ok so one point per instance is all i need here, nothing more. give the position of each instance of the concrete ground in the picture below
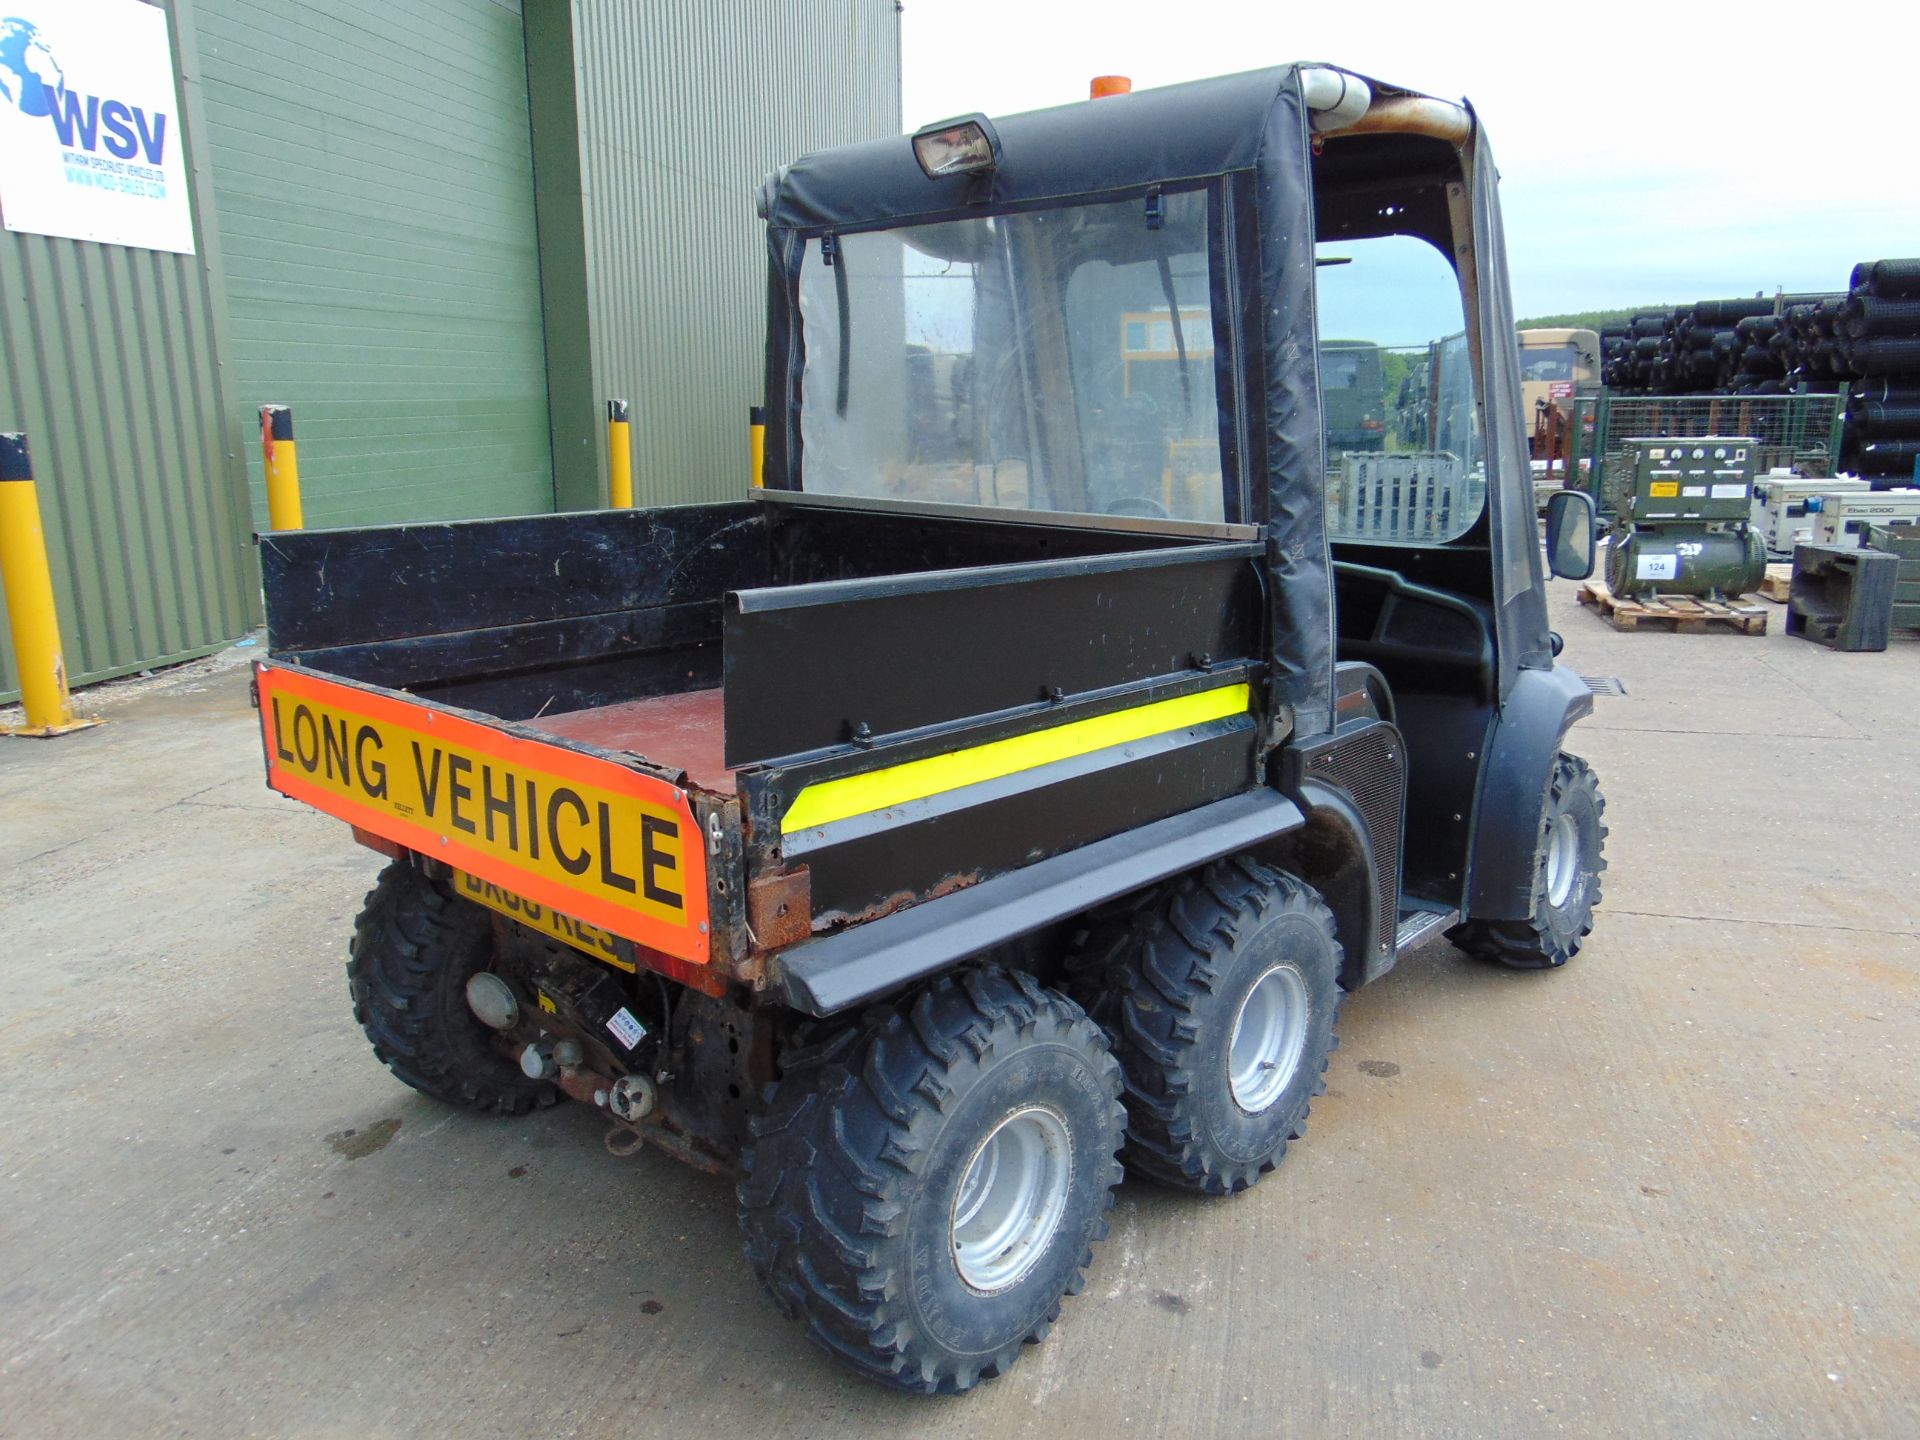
(1671, 1190)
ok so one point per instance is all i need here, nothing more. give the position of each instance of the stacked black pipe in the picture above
(1867, 338)
(1807, 341)
(1712, 347)
(1879, 325)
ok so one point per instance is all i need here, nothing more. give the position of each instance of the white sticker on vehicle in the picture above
(1649, 567)
(627, 1030)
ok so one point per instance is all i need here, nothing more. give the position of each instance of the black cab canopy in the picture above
(1251, 140)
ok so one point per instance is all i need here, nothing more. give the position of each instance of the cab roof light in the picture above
(964, 146)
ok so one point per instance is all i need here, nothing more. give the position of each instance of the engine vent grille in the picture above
(1371, 765)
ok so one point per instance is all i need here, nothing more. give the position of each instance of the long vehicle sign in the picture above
(581, 835)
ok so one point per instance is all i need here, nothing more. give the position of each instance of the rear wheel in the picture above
(1570, 856)
(927, 1184)
(1219, 996)
(414, 948)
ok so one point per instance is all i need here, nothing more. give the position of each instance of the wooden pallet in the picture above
(1682, 614)
(1778, 582)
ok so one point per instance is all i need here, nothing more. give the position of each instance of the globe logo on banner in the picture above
(29, 75)
(89, 130)
(85, 122)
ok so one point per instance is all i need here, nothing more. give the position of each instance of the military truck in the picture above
(1553, 361)
(929, 834)
(1353, 394)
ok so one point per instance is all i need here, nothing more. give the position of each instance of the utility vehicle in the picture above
(1353, 396)
(1015, 784)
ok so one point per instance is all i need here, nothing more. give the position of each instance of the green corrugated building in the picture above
(444, 232)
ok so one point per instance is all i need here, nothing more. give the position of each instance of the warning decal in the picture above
(584, 836)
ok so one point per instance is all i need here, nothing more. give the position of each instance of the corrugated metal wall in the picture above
(109, 362)
(376, 243)
(373, 179)
(683, 111)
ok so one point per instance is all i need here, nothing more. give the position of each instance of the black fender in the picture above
(1331, 851)
(1542, 706)
(836, 972)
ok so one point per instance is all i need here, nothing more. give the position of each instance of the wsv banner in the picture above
(90, 144)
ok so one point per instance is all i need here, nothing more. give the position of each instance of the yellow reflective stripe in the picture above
(832, 800)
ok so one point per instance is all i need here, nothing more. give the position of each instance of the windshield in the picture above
(1555, 362)
(1052, 360)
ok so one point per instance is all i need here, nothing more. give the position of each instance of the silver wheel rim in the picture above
(1269, 1034)
(1563, 859)
(1011, 1198)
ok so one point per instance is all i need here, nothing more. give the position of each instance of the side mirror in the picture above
(1571, 526)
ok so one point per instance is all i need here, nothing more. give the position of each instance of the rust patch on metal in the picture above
(780, 908)
(583, 1085)
(389, 848)
(900, 900)
(707, 979)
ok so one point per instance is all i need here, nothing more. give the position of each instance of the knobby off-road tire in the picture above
(1569, 860)
(414, 948)
(860, 1174)
(1172, 980)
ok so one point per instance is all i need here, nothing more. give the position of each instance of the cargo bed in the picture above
(840, 708)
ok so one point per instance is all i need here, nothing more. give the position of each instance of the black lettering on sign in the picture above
(334, 742)
(373, 773)
(609, 875)
(429, 780)
(652, 858)
(458, 790)
(280, 734)
(533, 822)
(572, 864)
(501, 805)
(306, 743)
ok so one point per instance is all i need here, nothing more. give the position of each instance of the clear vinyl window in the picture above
(1051, 360)
(1406, 462)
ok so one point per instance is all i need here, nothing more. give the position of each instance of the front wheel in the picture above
(927, 1183)
(1569, 858)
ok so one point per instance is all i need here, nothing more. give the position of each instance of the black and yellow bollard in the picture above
(283, 468)
(757, 432)
(619, 456)
(29, 589)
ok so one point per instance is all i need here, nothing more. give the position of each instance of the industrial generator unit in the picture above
(1786, 506)
(1686, 526)
(1842, 521)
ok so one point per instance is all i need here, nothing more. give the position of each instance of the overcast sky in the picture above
(1648, 152)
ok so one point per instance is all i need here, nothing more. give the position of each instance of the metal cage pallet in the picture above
(1802, 431)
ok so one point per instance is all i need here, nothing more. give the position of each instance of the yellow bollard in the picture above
(283, 468)
(757, 429)
(619, 456)
(29, 589)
